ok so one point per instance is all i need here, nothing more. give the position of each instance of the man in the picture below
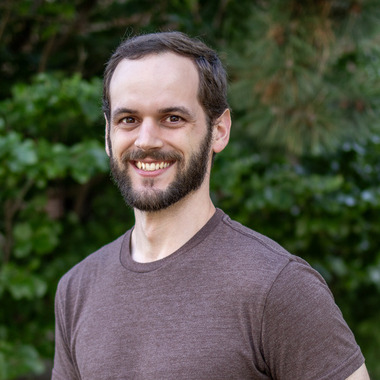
(188, 293)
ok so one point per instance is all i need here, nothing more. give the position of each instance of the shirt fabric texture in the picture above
(229, 304)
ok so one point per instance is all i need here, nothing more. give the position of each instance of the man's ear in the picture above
(221, 132)
(107, 137)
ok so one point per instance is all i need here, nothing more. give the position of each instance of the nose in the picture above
(148, 136)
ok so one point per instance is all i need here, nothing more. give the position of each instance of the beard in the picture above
(188, 178)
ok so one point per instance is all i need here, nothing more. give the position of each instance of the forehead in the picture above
(155, 75)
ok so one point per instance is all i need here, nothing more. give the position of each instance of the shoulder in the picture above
(288, 282)
(251, 245)
(88, 270)
(288, 273)
(249, 260)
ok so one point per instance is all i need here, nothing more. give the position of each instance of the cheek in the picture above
(120, 142)
(196, 141)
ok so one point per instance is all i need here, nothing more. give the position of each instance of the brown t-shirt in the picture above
(229, 304)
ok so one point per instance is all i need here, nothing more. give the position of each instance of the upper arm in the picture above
(304, 334)
(64, 367)
(359, 374)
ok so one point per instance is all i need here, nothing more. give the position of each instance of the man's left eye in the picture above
(174, 118)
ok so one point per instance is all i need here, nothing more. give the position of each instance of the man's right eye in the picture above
(128, 120)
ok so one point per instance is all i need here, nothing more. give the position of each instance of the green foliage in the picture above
(16, 359)
(303, 77)
(53, 94)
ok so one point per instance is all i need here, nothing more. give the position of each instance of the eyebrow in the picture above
(122, 110)
(179, 109)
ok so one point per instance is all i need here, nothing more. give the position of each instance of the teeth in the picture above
(152, 166)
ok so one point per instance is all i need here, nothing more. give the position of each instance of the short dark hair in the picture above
(212, 91)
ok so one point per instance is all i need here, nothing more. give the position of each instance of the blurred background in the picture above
(303, 164)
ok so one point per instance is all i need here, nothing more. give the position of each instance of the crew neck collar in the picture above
(128, 263)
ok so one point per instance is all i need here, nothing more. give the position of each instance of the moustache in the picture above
(156, 155)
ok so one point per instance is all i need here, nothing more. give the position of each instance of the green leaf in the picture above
(18, 359)
(22, 284)
(22, 233)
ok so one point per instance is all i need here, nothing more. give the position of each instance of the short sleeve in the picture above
(64, 367)
(304, 335)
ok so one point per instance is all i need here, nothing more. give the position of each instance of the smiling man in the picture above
(188, 293)
(159, 144)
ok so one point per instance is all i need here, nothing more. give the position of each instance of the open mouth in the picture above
(151, 166)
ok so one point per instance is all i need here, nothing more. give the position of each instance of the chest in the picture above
(147, 329)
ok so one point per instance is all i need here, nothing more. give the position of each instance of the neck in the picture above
(158, 234)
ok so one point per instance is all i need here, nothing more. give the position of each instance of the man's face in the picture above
(160, 143)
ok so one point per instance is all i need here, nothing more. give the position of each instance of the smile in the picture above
(150, 167)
